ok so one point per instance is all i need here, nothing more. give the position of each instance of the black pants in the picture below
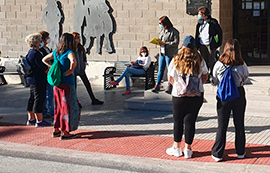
(209, 56)
(87, 85)
(185, 111)
(37, 98)
(238, 107)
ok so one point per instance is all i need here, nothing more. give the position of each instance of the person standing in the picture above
(187, 73)
(81, 65)
(138, 68)
(208, 37)
(170, 37)
(66, 110)
(231, 57)
(37, 81)
(48, 109)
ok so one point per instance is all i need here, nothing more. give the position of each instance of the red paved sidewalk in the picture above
(148, 146)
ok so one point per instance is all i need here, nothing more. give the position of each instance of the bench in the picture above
(119, 67)
(3, 73)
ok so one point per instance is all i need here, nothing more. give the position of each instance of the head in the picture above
(45, 38)
(188, 61)
(232, 53)
(189, 42)
(34, 40)
(77, 42)
(203, 12)
(144, 51)
(65, 42)
(165, 23)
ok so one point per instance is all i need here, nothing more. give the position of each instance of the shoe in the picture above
(174, 151)
(31, 122)
(188, 153)
(97, 102)
(43, 123)
(168, 90)
(126, 92)
(216, 158)
(114, 83)
(241, 156)
(156, 89)
(68, 137)
(56, 134)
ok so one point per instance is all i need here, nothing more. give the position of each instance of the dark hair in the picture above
(232, 53)
(79, 46)
(144, 48)
(65, 42)
(44, 35)
(166, 22)
(204, 10)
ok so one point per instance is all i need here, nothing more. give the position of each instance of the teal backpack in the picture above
(54, 76)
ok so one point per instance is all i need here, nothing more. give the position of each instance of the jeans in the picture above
(238, 107)
(48, 104)
(130, 72)
(162, 63)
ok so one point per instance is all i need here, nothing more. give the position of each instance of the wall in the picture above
(137, 23)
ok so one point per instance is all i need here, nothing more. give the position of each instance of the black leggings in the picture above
(185, 111)
(87, 86)
(37, 98)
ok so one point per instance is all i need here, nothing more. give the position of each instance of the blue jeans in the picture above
(48, 104)
(163, 61)
(130, 72)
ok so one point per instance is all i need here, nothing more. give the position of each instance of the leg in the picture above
(87, 86)
(30, 104)
(132, 71)
(206, 55)
(168, 60)
(238, 119)
(161, 68)
(39, 98)
(50, 100)
(223, 111)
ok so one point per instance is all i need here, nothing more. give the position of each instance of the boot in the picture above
(156, 89)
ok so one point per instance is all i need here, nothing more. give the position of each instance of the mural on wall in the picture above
(93, 20)
(53, 17)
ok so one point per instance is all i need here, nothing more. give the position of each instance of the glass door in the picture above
(251, 27)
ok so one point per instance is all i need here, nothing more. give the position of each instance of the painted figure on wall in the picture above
(93, 20)
(53, 16)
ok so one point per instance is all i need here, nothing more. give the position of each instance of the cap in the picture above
(189, 42)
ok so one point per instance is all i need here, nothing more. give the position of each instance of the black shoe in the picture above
(56, 134)
(168, 90)
(68, 137)
(156, 89)
(97, 102)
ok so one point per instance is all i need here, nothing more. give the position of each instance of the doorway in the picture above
(251, 23)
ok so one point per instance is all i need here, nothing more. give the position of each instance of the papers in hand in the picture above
(156, 41)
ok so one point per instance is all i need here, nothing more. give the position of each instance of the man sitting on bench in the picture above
(137, 68)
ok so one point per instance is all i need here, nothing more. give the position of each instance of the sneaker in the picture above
(114, 83)
(174, 151)
(216, 158)
(97, 102)
(31, 122)
(188, 153)
(241, 156)
(68, 137)
(126, 92)
(156, 89)
(168, 89)
(43, 123)
(56, 134)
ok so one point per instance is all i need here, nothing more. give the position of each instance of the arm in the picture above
(73, 64)
(171, 80)
(173, 39)
(47, 59)
(204, 78)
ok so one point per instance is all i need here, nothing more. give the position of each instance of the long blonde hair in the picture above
(188, 61)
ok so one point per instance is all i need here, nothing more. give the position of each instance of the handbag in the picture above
(227, 90)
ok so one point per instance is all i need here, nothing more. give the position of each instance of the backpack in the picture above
(24, 66)
(227, 90)
(54, 75)
(188, 85)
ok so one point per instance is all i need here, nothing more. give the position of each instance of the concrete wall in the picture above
(137, 23)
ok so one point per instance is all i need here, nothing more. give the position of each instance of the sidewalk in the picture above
(109, 133)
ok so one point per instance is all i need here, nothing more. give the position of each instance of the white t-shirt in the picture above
(204, 33)
(144, 62)
(173, 72)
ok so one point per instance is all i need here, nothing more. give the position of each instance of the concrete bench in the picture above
(111, 72)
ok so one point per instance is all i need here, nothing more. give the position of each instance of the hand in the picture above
(132, 63)
(162, 44)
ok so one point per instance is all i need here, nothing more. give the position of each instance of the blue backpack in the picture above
(227, 90)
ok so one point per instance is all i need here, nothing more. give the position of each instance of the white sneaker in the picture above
(241, 156)
(174, 151)
(188, 153)
(216, 158)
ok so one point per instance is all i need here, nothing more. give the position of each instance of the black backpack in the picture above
(24, 67)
